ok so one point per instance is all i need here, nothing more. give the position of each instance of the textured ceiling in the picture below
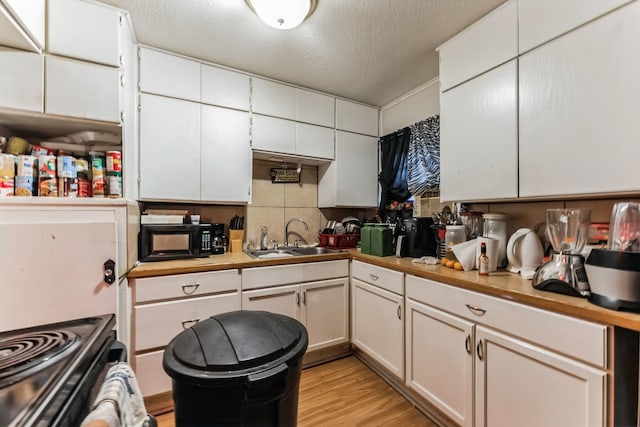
(372, 51)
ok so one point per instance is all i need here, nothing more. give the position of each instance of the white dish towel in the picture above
(119, 402)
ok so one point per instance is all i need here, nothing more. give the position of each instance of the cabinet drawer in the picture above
(489, 42)
(151, 376)
(184, 285)
(262, 277)
(573, 337)
(384, 278)
(157, 324)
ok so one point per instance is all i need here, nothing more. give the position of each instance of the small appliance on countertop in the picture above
(217, 239)
(161, 242)
(524, 253)
(614, 273)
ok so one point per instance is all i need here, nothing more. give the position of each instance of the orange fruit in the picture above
(458, 266)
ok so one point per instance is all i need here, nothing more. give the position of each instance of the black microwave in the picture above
(160, 242)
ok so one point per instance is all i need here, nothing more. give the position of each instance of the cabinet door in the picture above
(225, 88)
(169, 148)
(579, 105)
(358, 118)
(225, 162)
(273, 135)
(314, 141)
(21, 80)
(273, 99)
(316, 108)
(439, 357)
(479, 130)
(524, 385)
(325, 308)
(83, 30)
(542, 20)
(22, 24)
(283, 300)
(81, 89)
(150, 374)
(52, 264)
(352, 179)
(377, 325)
(170, 75)
(489, 42)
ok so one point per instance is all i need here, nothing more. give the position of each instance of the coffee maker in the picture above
(415, 237)
(217, 241)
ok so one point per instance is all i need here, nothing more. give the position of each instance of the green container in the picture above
(381, 241)
(365, 239)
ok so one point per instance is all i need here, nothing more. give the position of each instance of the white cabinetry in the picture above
(275, 135)
(352, 179)
(225, 88)
(479, 131)
(21, 80)
(358, 118)
(579, 104)
(532, 367)
(167, 305)
(542, 20)
(83, 30)
(489, 42)
(377, 310)
(169, 75)
(22, 24)
(316, 294)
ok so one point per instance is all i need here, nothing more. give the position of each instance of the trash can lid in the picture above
(234, 342)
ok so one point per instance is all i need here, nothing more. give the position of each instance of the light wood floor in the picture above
(346, 393)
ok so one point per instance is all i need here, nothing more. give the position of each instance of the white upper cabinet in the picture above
(489, 42)
(81, 89)
(273, 135)
(21, 80)
(479, 131)
(314, 141)
(225, 88)
(542, 20)
(225, 135)
(316, 108)
(169, 75)
(579, 109)
(22, 24)
(274, 99)
(83, 30)
(358, 118)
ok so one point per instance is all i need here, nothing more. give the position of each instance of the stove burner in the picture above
(27, 351)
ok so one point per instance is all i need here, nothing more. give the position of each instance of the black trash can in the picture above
(237, 369)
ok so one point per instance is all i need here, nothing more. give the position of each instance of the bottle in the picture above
(264, 238)
(483, 260)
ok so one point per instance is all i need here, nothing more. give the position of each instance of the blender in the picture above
(567, 231)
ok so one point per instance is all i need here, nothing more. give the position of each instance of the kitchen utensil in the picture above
(624, 228)
(524, 252)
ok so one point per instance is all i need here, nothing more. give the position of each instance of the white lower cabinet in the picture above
(487, 362)
(377, 315)
(167, 305)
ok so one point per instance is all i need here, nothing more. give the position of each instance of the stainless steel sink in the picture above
(289, 252)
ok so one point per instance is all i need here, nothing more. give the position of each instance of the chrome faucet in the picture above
(286, 230)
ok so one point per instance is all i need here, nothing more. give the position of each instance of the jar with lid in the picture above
(495, 227)
(455, 234)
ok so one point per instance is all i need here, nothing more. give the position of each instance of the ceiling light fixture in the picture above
(283, 14)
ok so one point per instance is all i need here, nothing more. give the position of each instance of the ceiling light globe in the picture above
(281, 14)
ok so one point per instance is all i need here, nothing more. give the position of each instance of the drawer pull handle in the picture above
(467, 344)
(480, 351)
(189, 323)
(189, 289)
(399, 312)
(476, 310)
(297, 298)
(373, 276)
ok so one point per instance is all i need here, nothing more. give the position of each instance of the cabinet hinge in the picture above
(249, 191)
(139, 107)
(122, 116)
(139, 54)
(121, 61)
(120, 20)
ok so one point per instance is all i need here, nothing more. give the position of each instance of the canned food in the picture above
(7, 165)
(98, 186)
(47, 186)
(24, 186)
(114, 161)
(114, 184)
(16, 146)
(67, 187)
(82, 169)
(97, 164)
(84, 187)
(6, 186)
(67, 167)
(37, 150)
(46, 166)
(27, 165)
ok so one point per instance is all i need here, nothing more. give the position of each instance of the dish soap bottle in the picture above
(483, 260)
(264, 238)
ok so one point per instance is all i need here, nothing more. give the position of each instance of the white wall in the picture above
(414, 106)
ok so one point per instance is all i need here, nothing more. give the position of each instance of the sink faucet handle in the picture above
(296, 244)
(275, 243)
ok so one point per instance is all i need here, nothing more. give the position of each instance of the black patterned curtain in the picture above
(423, 172)
(394, 150)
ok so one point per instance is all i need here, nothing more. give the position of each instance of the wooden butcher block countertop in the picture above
(501, 284)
